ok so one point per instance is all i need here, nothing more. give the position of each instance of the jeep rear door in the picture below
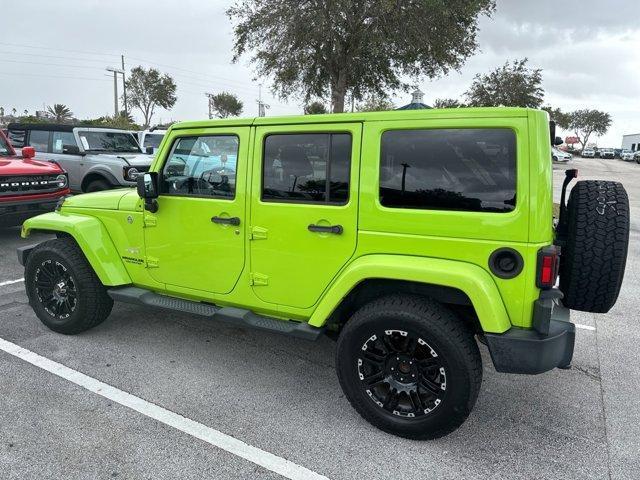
(196, 239)
(304, 205)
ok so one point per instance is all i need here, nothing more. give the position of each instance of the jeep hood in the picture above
(120, 199)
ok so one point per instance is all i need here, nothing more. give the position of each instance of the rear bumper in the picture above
(15, 212)
(529, 351)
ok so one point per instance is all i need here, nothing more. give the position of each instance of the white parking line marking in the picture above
(11, 282)
(214, 437)
(584, 327)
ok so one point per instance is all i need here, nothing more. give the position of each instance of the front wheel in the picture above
(409, 366)
(63, 290)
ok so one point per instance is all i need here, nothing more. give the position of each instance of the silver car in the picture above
(94, 158)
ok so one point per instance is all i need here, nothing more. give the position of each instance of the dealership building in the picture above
(631, 142)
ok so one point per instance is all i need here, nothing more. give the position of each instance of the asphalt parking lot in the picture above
(281, 395)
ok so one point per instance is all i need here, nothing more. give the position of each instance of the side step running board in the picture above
(237, 316)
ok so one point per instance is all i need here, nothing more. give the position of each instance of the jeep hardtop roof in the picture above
(435, 113)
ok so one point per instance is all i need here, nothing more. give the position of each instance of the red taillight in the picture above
(547, 267)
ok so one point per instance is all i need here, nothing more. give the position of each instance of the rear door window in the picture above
(307, 168)
(39, 140)
(449, 169)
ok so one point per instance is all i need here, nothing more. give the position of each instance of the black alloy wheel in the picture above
(401, 373)
(55, 289)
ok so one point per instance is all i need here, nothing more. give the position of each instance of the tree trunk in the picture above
(338, 92)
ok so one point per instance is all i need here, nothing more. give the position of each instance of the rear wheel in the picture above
(63, 289)
(409, 366)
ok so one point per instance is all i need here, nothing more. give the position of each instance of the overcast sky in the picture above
(56, 52)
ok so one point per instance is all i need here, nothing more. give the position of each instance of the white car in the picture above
(627, 155)
(607, 153)
(589, 153)
(149, 140)
(560, 156)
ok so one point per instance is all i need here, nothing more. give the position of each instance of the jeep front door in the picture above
(196, 238)
(304, 205)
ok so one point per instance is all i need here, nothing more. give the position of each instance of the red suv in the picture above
(28, 186)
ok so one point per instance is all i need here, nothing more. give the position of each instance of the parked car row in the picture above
(609, 153)
(41, 163)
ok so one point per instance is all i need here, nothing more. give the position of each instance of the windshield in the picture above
(109, 141)
(5, 150)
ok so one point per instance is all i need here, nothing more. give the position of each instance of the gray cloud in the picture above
(589, 51)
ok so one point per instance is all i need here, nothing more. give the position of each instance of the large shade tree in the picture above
(149, 89)
(587, 122)
(512, 85)
(320, 48)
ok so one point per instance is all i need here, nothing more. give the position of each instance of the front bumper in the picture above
(547, 346)
(16, 212)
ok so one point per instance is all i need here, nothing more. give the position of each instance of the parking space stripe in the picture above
(214, 437)
(584, 327)
(10, 282)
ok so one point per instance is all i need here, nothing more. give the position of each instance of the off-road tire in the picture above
(98, 186)
(593, 259)
(448, 335)
(92, 303)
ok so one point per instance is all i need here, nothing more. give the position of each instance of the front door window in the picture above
(202, 166)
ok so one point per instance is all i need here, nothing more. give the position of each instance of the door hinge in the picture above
(258, 279)
(257, 233)
(150, 221)
(152, 262)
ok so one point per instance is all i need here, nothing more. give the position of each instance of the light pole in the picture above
(115, 71)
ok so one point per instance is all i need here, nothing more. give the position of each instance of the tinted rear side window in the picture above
(449, 169)
(309, 168)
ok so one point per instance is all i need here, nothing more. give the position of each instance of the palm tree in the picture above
(60, 112)
(14, 111)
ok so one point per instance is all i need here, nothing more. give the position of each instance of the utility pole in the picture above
(115, 88)
(262, 107)
(124, 89)
(210, 99)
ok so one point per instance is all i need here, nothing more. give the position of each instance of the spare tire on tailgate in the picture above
(593, 258)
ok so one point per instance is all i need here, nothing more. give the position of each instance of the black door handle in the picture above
(335, 229)
(226, 221)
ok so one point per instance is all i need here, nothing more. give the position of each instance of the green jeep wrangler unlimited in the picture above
(405, 235)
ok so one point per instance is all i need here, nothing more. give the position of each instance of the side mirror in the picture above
(149, 150)
(148, 189)
(148, 185)
(71, 149)
(28, 152)
(558, 141)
